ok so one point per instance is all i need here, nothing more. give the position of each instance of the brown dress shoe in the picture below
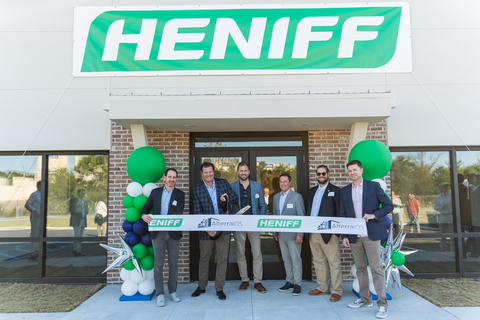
(335, 297)
(259, 288)
(244, 286)
(317, 292)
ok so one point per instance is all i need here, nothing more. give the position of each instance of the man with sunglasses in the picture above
(324, 201)
(249, 194)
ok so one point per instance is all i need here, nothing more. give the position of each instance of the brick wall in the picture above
(174, 145)
(330, 147)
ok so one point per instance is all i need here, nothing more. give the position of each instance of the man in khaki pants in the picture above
(324, 201)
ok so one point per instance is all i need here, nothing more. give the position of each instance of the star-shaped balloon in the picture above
(393, 259)
(123, 253)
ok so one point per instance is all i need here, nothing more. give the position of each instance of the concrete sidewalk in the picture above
(251, 305)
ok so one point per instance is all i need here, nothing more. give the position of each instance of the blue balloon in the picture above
(388, 222)
(147, 239)
(140, 227)
(131, 238)
(127, 226)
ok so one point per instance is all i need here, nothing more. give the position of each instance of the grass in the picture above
(36, 298)
(463, 292)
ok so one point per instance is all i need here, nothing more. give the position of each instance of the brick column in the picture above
(174, 145)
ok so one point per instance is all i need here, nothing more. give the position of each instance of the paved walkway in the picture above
(250, 304)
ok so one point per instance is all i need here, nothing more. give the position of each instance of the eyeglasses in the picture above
(245, 194)
(321, 174)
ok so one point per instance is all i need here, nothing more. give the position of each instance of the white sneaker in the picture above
(175, 298)
(382, 312)
(161, 300)
(360, 304)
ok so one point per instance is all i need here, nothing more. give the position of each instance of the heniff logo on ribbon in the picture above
(159, 222)
(269, 39)
(332, 224)
(279, 223)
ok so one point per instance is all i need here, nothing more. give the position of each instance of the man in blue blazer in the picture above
(249, 193)
(165, 200)
(324, 201)
(362, 199)
(210, 197)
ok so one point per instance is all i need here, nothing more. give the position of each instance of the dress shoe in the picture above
(335, 297)
(259, 288)
(221, 295)
(297, 290)
(317, 292)
(244, 286)
(198, 292)
(287, 287)
(161, 300)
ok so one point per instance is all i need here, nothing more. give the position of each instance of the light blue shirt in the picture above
(213, 195)
(80, 201)
(282, 200)
(317, 200)
(165, 201)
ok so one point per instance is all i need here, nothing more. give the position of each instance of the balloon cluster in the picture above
(145, 166)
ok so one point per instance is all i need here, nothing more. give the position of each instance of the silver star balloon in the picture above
(124, 253)
(392, 272)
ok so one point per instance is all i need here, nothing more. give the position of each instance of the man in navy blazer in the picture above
(165, 200)
(362, 199)
(249, 193)
(210, 197)
(324, 201)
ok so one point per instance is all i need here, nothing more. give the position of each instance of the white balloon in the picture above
(134, 189)
(382, 183)
(353, 271)
(125, 274)
(146, 287)
(356, 286)
(136, 277)
(147, 189)
(129, 288)
(148, 274)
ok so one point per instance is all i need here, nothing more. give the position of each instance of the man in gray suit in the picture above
(249, 194)
(290, 203)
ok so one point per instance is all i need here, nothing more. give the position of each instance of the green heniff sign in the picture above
(183, 40)
(160, 222)
(279, 223)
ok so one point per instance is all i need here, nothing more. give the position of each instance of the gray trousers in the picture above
(78, 232)
(34, 232)
(291, 259)
(163, 243)
(206, 247)
(361, 249)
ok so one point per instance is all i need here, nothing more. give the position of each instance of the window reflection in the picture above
(77, 191)
(423, 203)
(19, 177)
(16, 261)
(429, 259)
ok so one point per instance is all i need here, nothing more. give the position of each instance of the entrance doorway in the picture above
(268, 157)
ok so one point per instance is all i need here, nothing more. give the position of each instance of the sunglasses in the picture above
(245, 194)
(321, 174)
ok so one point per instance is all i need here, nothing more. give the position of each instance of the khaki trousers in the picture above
(326, 259)
(206, 247)
(254, 238)
(372, 250)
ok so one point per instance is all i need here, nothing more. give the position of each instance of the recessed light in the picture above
(307, 124)
(189, 125)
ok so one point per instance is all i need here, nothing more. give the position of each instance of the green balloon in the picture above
(145, 164)
(128, 201)
(147, 263)
(375, 157)
(128, 265)
(398, 259)
(150, 251)
(132, 214)
(139, 251)
(140, 201)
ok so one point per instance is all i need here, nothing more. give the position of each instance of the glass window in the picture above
(225, 167)
(468, 167)
(17, 260)
(225, 142)
(429, 258)
(20, 196)
(421, 189)
(77, 196)
(60, 262)
(471, 259)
